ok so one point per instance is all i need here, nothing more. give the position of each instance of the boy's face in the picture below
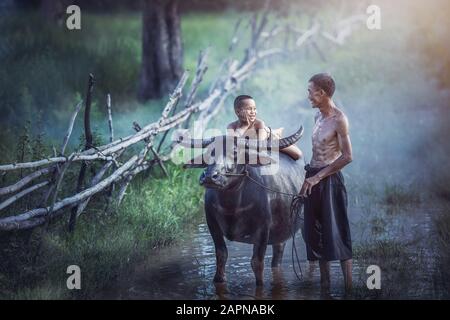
(247, 110)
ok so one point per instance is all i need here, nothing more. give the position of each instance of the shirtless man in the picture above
(327, 231)
(248, 125)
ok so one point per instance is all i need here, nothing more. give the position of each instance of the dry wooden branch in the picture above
(110, 122)
(201, 69)
(23, 182)
(69, 130)
(308, 34)
(94, 181)
(174, 97)
(18, 221)
(16, 197)
(54, 160)
(57, 185)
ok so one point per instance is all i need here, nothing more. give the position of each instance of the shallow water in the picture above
(186, 270)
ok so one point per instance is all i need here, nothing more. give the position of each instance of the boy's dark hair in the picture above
(325, 82)
(239, 99)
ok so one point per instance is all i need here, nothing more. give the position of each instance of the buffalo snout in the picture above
(212, 178)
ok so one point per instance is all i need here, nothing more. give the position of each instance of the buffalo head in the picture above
(227, 157)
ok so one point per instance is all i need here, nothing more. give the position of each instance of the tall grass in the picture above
(155, 213)
(398, 264)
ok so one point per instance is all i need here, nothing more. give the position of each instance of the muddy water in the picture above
(185, 271)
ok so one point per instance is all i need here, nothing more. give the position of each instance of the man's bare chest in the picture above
(324, 132)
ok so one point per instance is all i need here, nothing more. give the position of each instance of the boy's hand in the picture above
(243, 115)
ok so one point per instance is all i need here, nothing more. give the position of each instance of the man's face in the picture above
(315, 95)
(247, 111)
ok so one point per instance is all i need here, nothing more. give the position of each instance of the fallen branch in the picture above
(23, 182)
(19, 221)
(71, 123)
(16, 197)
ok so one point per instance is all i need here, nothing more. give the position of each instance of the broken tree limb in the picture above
(307, 34)
(234, 39)
(110, 122)
(54, 160)
(87, 113)
(69, 130)
(57, 185)
(174, 97)
(15, 222)
(88, 144)
(201, 69)
(23, 182)
(16, 197)
(94, 181)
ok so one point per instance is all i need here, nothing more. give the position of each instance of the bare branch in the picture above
(23, 182)
(110, 122)
(174, 97)
(71, 123)
(307, 34)
(94, 181)
(201, 69)
(16, 222)
(16, 197)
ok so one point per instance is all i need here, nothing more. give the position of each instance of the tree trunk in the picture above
(162, 51)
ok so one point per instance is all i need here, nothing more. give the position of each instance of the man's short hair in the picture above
(239, 99)
(325, 82)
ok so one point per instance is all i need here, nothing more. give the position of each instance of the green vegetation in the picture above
(155, 213)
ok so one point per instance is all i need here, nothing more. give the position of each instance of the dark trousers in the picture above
(327, 230)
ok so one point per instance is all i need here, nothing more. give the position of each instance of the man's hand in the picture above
(308, 184)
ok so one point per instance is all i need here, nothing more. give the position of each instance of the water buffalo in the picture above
(239, 204)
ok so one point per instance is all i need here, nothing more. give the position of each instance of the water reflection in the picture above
(186, 271)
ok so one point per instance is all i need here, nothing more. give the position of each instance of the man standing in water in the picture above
(327, 231)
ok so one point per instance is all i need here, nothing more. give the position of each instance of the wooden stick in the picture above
(23, 182)
(88, 144)
(14, 222)
(71, 123)
(94, 181)
(110, 122)
(16, 197)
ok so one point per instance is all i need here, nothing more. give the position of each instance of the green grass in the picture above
(154, 213)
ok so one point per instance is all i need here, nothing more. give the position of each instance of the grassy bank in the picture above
(155, 212)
